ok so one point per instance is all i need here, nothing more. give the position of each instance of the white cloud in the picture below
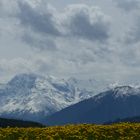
(74, 41)
(47, 24)
(133, 34)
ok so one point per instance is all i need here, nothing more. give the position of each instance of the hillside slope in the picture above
(18, 123)
(119, 102)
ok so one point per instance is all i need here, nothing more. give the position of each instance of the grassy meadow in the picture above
(124, 131)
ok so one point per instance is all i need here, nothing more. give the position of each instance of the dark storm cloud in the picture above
(83, 22)
(36, 19)
(128, 5)
(86, 22)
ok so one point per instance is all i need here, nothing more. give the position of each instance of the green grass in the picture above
(124, 131)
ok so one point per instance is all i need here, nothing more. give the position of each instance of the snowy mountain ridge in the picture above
(119, 102)
(120, 91)
(31, 96)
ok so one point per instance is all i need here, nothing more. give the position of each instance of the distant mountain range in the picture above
(33, 97)
(18, 123)
(53, 101)
(120, 102)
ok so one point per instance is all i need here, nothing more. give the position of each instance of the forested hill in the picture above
(18, 123)
(129, 120)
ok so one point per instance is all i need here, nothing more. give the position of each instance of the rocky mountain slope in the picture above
(33, 97)
(119, 102)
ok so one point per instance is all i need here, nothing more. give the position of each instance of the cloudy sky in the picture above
(97, 39)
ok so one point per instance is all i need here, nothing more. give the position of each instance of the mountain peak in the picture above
(120, 91)
(119, 102)
(23, 80)
(30, 96)
(123, 88)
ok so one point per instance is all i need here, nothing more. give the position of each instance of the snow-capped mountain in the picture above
(116, 103)
(33, 97)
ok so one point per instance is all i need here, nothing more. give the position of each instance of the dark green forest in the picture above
(18, 123)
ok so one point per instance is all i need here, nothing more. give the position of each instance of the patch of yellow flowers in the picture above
(124, 131)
